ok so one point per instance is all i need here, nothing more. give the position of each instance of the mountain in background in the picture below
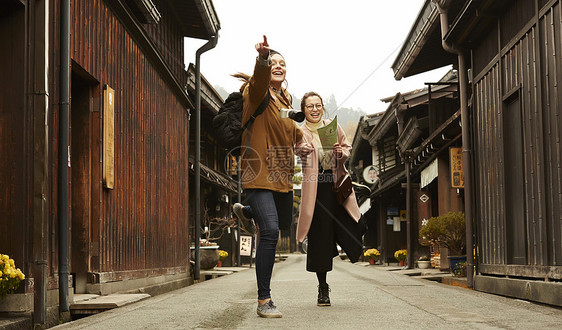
(348, 118)
(222, 92)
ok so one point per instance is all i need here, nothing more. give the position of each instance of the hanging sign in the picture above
(457, 174)
(108, 137)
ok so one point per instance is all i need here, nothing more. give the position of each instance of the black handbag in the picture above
(343, 188)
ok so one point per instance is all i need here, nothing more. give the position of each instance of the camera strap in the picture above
(259, 111)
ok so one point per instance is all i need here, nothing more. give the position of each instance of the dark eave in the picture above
(210, 98)
(387, 121)
(215, 178)
(438, 141)
(474, 20)
(446, 87)
(391, 182)
(357, 141)
(439, 91)
(197, 18)
(361, 134)
(422, 50)
(412, 132)
(147, 11)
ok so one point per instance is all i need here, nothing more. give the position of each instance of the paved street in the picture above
(362, 297)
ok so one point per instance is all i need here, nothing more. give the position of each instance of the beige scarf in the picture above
(324, 156)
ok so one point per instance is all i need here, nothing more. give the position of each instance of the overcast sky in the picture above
(330, 46)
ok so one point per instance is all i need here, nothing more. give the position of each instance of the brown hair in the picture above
(307, 95)
(246, 78)
(242, 77)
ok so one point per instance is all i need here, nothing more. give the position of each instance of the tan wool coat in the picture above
(310, 181)
(268, 163)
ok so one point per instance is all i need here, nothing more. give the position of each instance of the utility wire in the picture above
(369, 76)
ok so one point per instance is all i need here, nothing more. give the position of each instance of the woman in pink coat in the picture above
(322, 219)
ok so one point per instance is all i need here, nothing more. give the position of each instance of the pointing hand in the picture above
(263, 48)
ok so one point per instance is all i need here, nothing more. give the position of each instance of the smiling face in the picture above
(278, 70)
(313, 108)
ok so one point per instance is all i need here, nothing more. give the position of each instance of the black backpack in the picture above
(228, 121)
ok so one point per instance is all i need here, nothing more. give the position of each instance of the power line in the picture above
(369, 76)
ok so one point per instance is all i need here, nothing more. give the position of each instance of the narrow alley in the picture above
(362, 296)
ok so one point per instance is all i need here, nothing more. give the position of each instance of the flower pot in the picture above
(219, 264)
(423, 264)
(371, 261)
(209, 256)
(17, 302)
(454, 260)
(402, 263)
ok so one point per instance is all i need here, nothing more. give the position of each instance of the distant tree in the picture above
(296, 102)
(349, 128)
(330, 104)
(348, 118)
(222, 92)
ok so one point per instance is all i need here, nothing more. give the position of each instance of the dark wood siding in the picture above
(523, 81)
(15, 144)
(489, 178)
(551, 72)
(485, 51)
(142, 224)
(168, 38)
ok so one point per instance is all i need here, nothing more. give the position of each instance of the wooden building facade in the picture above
(411, 137)
(514, 50)
(128, 134)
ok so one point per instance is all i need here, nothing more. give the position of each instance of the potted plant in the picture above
(460, 269)
(10, 276)
(401, 255)
(373, 255)
(423, 262)
(447, 230)
(208, 254)
(222, 256)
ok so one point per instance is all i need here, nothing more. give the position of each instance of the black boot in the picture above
(323, 295)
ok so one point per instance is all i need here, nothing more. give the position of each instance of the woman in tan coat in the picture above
(268, 163)
(322, 219)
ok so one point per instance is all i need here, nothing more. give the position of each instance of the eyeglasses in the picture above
(312, 106)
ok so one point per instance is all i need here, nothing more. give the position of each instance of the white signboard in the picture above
(245, 245)
(370, 174)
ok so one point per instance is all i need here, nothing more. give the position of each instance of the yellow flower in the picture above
(372, 253)
(223, 254)
(401, 255)
(10, 276)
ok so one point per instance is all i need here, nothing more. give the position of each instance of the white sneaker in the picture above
(269, 310)
(247, 223)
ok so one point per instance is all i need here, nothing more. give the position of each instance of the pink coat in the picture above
(309, 182)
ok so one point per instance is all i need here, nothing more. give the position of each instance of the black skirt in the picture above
(331, 224)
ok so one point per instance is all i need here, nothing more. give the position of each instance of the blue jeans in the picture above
(268, 208)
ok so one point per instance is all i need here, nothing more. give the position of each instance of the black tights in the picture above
(321, 277)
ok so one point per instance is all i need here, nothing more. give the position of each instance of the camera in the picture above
(295, 115)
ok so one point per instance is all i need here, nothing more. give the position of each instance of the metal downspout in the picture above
(64, 128)
(466, 144)
(238, 224)
(407, 163)
(208, 46)
(37, 85)
(409, 242)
